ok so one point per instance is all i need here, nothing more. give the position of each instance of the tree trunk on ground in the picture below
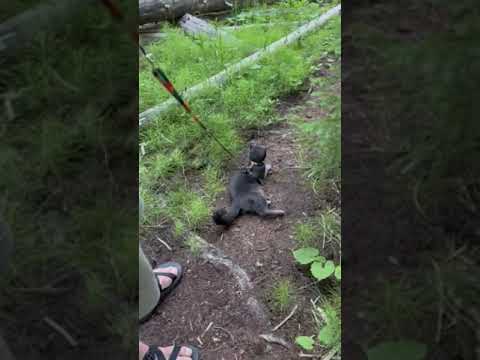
(163, 10)
(220, 78)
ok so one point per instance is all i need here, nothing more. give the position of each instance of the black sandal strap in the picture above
(154, 353)
(175, 352)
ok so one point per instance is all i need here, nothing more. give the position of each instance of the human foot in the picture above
(168, 275)
(163, 280)
(146, 352)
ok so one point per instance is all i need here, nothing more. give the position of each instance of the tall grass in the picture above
(174, 146)
(52, 151)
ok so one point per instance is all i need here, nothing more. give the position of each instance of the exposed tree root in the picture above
(216, 257)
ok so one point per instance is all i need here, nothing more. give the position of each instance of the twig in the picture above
(286, 319)
(64, 82)
(159, 225)
(275, 340)
(225, 330)
(61, 331)
(206, 330)
(329, 355)
(308, 285)
(262, 249)
(303, 355)
(164, 243)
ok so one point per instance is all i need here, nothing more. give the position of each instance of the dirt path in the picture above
(228, 284)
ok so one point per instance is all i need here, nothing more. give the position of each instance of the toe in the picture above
(165, 281)
(186, 351)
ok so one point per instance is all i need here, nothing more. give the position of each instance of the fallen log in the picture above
(153, 33)
(259, 25)
(219, 79)
(170, 10)
(194, 26)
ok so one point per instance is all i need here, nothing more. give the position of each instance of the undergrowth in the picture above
(175, 147)
(326, 313)
(424, 125)
(57, 140)
(282, 295)
(319, 237)
(321, 138)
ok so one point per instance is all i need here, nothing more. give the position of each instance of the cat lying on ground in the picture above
(247, 195)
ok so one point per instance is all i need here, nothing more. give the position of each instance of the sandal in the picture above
(154, 353)
(175, 278)
(165, 292)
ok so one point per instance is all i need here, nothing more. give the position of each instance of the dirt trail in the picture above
(212, 292)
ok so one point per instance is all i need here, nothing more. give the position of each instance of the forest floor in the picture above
(226, 318)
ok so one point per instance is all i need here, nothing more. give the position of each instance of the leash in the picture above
(160, 75)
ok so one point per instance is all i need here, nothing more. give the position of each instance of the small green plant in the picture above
(320, 267)
(328, 320)
(283, 295)
(193, 244)
(305, 234)
(330, 329)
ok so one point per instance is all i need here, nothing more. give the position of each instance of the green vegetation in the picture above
(57, 140)
(175, 146)
(327, 315)
(283, 295)
(306, 234)
(321, 138)
(320, 267)
(321, 231)
(428, 88)
(321, 234)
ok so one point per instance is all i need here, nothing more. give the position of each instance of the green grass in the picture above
(305, 234)
(327, 315)
(174, 146)
(49, 153)
(187, 61)
(282, 295)
(321, 151)
(428, 87)
(320, 231)
(186, 208)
